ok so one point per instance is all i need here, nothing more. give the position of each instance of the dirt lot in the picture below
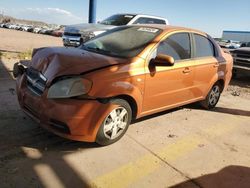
(19, 41)
(184, 147)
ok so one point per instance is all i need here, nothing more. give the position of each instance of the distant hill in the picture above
(22, 21)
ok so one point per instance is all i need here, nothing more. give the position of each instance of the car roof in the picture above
(169, 28)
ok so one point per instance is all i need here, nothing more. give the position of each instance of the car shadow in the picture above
(232, 111)
(228, 177)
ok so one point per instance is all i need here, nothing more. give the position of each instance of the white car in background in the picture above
(231, 44)
(37, 30)
(75, 35)
(26, 27)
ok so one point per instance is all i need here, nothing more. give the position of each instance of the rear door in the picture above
(207, 65)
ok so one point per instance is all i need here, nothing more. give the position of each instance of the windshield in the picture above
(118, 19)
(127, 41)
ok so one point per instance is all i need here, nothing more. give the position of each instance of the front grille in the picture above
(36, 82)
(72, 34)
(59, 126)
(242, 58)
(244, 55)
(242, 62)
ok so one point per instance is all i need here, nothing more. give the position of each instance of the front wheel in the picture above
(115, 123)
(212, 98)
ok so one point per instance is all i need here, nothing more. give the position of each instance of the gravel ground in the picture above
(240, 86)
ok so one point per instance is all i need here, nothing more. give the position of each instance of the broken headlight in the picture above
(70, 87)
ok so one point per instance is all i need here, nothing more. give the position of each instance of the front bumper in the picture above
(71, 41)
(69, 118)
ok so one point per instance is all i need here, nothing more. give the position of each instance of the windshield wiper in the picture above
(101, 51)
(96, 49)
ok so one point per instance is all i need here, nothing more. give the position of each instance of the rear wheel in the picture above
(115, 124)
(212, 97)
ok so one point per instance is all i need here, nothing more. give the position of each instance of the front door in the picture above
(170, 86)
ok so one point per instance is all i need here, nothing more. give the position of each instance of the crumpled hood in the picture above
(87, 28)
(60, 61)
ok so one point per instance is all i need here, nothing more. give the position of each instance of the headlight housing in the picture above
(70, 87)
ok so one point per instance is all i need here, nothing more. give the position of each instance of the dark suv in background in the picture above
(241, 59)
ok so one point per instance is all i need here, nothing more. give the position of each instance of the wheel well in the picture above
(221, 83)
(131, 102)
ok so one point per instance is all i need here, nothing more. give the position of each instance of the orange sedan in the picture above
(92, 93)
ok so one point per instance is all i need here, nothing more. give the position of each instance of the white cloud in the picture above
(49, 15)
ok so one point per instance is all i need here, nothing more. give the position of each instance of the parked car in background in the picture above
(241, 58)
(75, 35)
(93, 92)
(12, 26)
(46, 31)
(26, 28)
(7, 25)
(58, 32)
(30, 29)
(229, 44)
(37, 30)
(2, 25)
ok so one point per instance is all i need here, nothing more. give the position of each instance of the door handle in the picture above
(186, 70)
(216, 65)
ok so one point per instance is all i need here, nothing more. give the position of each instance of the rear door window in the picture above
(178, 46)
(203, 46)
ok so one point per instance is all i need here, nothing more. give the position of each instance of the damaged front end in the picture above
(53, 90)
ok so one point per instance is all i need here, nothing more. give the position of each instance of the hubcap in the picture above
(115, 123)
(214, 95)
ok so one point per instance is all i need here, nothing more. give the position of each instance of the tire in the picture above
(115, 126)
(234, 74)
(212, 97)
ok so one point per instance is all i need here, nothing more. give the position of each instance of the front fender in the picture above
(121, 88)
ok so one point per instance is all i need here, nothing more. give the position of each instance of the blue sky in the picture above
(210, 16)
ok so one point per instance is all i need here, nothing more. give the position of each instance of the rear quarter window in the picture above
(203, 47)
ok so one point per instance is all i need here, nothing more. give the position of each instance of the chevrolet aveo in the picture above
(93, 92)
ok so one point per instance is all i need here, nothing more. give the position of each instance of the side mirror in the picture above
(163, 60)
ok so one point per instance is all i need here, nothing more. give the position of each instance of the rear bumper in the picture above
(69, 118)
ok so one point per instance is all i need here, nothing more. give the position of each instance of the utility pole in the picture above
(92, 11)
